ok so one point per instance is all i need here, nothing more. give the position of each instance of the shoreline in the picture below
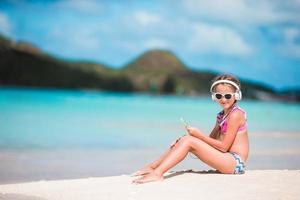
(60, 164)
(254, 184)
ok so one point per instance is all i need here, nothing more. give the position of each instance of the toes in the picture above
(147, 178)
(140, 181)
(136, 181)
(136, 173)
(139, 173)
(142, 172)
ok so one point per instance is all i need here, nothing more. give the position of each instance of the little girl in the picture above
(225, 149)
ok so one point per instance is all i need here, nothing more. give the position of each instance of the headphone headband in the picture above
(238, 93)
(225, 81)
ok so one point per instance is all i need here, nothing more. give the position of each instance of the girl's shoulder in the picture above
(236, 109)
(239, 112)
(239, 109)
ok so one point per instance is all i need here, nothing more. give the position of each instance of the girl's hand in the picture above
(194, 132)
(191, 130)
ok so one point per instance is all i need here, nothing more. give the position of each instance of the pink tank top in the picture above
(222, 120)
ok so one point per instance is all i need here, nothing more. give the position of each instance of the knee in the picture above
(186, 140)
(192, 142)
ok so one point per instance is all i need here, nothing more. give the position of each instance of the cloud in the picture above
(5, 25)
(145, 18)
(291, 34)
(156, 43)
(291, 44)
(143, 30)
(80, 38)
(213, 39)
(243, 12)
(148, 30)
(90, 6)
(214, 27)
(290, 50)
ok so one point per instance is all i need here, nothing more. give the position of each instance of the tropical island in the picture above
(155, 71)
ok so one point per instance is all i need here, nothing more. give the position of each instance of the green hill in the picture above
(161, 71)
(21, 66)
(161, 61)
(151, 70)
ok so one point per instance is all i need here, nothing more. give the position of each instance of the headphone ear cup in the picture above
(238, 95)
(213, 97)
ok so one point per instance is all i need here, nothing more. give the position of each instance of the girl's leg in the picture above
(208, 154)
(150, 167)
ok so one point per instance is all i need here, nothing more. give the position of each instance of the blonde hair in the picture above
(227, 77)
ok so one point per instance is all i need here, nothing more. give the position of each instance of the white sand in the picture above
(257, 184)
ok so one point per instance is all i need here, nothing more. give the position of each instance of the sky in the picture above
(254, 40)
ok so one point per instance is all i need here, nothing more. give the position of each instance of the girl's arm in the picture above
(214, 133)
(196, 133)
(236, 118)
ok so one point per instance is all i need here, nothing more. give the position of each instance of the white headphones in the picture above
(237, 94)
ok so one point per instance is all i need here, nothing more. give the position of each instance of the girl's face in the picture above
(225, 89)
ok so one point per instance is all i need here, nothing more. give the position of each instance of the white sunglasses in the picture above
(226, 95)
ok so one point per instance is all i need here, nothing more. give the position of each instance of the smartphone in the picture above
(184, 122)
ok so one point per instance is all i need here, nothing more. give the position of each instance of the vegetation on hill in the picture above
(20, 67)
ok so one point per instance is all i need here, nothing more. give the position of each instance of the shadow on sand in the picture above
(177, 173)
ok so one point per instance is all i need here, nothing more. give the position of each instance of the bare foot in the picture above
(143, 171)
(148, 178)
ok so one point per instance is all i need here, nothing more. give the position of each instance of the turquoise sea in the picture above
(65, 134)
